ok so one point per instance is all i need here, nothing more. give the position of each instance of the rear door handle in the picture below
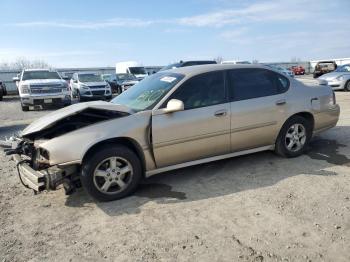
(281, 102)
(222, 112)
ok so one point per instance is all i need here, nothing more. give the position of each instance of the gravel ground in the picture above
(258, 207)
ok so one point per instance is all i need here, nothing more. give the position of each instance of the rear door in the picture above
(201, 130)
(258, 106)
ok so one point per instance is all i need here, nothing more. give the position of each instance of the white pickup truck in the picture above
(41, 87)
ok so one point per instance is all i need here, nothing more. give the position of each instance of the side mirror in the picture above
(174, 105)
(15, 79)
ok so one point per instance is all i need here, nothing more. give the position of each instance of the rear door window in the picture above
(249, 83)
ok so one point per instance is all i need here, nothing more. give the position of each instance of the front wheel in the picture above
(294, 137)
(24, 108)
(111, 173)
(347, 86)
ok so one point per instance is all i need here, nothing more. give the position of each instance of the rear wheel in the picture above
(294, 137)
(111, 173)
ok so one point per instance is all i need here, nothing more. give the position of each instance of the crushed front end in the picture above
(33, 167)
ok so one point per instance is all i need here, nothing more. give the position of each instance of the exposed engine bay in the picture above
(82, 119)
(32, 161)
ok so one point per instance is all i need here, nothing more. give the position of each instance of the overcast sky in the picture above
(69, 33)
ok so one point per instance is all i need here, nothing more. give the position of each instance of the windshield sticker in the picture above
(168, 79)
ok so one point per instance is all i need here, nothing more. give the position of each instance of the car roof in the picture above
(199, 69)
(87, 73)
(39, 69)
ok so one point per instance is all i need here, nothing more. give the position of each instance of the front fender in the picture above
(71, 147)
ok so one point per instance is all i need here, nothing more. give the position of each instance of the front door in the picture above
(201, 130)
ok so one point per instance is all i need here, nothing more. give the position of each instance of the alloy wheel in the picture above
(295, 137)
(112, 175)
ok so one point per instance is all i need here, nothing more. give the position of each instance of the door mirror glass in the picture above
(174, 105)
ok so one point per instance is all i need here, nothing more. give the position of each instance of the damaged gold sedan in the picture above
(171, 120)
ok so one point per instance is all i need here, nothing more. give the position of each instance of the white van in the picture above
(131, 67)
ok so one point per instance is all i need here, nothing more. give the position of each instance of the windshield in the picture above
(28, 75)
(344, 68)
(137, 70)
(90, 78)
(148, 92)
(124, 77)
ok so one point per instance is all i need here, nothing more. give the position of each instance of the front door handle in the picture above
(222, 112)
(281, 102)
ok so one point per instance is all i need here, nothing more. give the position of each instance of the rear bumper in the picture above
(326, 119)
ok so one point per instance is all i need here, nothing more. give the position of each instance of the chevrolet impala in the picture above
(172, 119)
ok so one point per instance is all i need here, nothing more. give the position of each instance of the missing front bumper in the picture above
(46, 179)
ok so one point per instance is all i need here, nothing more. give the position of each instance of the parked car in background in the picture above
(42, 87)
(324, 67)
(131, 67)
(3, 91)
(67, 76)
(170, 120)
(90, 86)
(297, 70)
(282, 70)
(120, 82)
(188, 63)
(338, 79)
(235, 62)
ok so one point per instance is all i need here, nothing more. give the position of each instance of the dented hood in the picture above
(50, 119)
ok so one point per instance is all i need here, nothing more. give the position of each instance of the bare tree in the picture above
(295, 59)
(22, 62)
(218, 59)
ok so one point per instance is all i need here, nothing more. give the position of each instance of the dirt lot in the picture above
(254, 208)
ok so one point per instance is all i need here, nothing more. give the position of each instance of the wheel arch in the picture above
(125, 141)
(307, 115)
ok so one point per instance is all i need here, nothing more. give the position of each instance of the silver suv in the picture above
(40, 87)
(90, 86)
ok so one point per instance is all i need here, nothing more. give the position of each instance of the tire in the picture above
(0, 97)
(105, 182)
(25, 108)
(79, 97)
(286, 143)
(347, 86)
